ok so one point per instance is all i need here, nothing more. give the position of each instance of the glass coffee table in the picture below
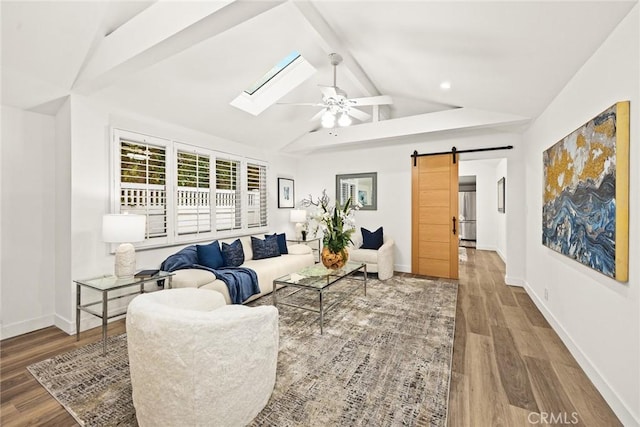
(319, 279)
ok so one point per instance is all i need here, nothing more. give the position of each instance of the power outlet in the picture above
(546, 294)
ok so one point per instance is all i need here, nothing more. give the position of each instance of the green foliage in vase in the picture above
(337, 223)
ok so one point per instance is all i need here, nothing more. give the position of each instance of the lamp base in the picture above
(125, 266)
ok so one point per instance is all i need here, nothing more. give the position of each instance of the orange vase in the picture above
(334, 260)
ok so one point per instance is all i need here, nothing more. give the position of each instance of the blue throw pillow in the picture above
(282, 242)
(371, 240)
(267, 248)
(232, 253)
(210, 255)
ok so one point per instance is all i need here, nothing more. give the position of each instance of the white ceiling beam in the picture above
(160, 31)
(441, 121)
(330, 43)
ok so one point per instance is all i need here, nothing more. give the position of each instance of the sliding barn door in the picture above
(434, 200)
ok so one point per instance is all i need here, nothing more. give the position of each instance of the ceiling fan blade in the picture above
(371, 100)
(308, 104)
(358, 114)
(328, 91)
(318, 115)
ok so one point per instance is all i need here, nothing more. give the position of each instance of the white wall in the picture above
(62, 212)
(393, 165)
(487, 215)
(28, 246)
(597, 317)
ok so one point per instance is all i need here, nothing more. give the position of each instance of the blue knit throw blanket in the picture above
(242, 282)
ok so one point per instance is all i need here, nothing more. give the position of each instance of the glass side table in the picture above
(106, 284)
(313, 243)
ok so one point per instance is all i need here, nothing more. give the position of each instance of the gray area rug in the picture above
(384, 360)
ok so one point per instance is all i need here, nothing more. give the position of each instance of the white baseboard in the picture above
(402, 268)
(501, 255)
(26, 326)
(69, 326)
(486, 248)
(514, 281)
(618, 406)
(65, 325)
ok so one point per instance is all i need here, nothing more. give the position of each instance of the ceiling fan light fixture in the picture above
(328, 120)
(344, 120)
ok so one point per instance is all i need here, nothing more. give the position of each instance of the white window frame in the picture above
(266, 189)
(119, 134)
(179, 146)
(171, 169)
(241, 179)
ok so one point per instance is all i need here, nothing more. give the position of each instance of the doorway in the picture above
(467, 210)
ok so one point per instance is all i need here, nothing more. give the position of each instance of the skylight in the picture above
(281, 65)
(286, 75)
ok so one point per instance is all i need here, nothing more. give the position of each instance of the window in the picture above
(187, 193)
(286, 75)
(142, 184)
(281, 65)
(256, 195)
(228, 195)
(193, 193)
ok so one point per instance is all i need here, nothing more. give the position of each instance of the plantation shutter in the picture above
(143, 184)
(257, 195)
(193, 193)
(228, 196)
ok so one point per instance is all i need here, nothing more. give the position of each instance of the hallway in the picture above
(509, 367)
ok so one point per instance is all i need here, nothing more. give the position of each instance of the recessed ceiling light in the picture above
(445, 85)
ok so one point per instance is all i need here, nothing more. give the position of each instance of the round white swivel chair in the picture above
(196, 361)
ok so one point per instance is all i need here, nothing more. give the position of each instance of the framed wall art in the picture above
(286, 195)
(585, 209)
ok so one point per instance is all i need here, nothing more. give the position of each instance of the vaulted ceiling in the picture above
(184, 62)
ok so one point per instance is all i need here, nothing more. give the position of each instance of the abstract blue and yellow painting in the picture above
(585, 196)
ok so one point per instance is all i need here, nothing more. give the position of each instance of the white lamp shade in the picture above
(123, 228)
(298, 215)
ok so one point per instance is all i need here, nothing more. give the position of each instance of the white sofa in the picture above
(267, 269)
(195, 361)
(379, 261)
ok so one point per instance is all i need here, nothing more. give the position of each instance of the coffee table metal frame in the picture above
(106, 284)
(319, 284)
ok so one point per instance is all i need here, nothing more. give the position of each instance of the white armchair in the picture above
(379, 261)
(196, 361)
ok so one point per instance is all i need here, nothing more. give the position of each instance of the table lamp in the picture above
(124, 229)
(299, 216)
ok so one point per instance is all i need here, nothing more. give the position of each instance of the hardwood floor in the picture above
(23, 402)
(509, 367)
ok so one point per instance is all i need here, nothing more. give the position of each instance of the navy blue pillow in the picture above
(210, 255)
(282, 242)
(267, 248)
(371, 240)
(232, 253)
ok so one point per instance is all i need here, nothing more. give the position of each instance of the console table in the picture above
(104, 285)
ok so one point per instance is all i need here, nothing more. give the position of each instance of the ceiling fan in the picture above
(337, 108)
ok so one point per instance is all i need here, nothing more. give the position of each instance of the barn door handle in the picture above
(454, 224)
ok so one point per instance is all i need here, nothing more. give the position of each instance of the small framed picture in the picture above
(286, 195)
(501, 195)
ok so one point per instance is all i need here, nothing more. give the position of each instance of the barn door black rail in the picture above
(455, 151)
